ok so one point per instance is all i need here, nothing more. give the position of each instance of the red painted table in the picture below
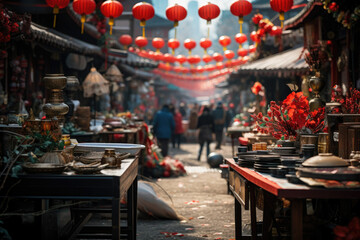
(243, 182)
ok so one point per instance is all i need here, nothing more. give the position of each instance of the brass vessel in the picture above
(317, 84)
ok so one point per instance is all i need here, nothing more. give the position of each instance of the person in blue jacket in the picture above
(163, 127)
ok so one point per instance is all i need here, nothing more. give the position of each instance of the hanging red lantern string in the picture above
(143, 11)
(224, 41)
(208, 12)
(181, 59)
(281, 6)
(194, 59)
(207, 58)
(229, 54)
(240, 38)
(240, 9)
(252, 48)
(111, 9)
(256, 18)
(276, 31)
(168, 58)
(176, 13)
(84, 7)
(125, 40)
(173, 44)
(158, 43)
(141, 41)
(205, 43)
(57, 5)
(242, 52)
(217, 57)
(189, 44)
(255, 37)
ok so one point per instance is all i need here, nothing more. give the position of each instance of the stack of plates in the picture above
(285, 151)
(247, 161)
(265, 162)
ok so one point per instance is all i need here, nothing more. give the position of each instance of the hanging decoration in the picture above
(208, 12)
(194, 59)
(176, 13)
(57, 5)
(276, 31)
(84, 7)
(143, 11)
(347, 14)
(240, 9)
(207, 58)
(168, 58)
(173, 44)
(189, 44)
(111, 9)
(205, 43)
(252, 49)
(255, 37)
(217, 57)
(224, 41)
(181, 59)
(125, 40)
(141, 41)
(229, 54)
(240, 38)
(281, 6)
(256, 18)
(158, 43)
(242, 52)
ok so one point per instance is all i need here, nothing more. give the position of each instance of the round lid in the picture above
(325, 160)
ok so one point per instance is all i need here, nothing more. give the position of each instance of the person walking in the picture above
(206, 126)
(163, 127)
(221, 121)
(179, 130)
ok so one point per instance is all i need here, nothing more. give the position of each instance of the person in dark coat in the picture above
(163, 127)
(221, 121)
(206, 125)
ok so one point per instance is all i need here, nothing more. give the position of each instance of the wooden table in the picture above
(131, 135)
(110, 185)
(235, 133)
(243, 182)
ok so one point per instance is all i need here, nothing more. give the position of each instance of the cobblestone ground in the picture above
(200, 197)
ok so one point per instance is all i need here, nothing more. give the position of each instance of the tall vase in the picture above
(316, 84)
(55, 106)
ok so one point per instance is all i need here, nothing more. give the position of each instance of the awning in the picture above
(62, 41)
(130, 59)
(286, 63)
(135, 72)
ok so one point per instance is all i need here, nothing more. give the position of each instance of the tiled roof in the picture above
(307, 11)
(290, 60)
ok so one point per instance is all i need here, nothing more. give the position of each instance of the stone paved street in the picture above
(200, 197)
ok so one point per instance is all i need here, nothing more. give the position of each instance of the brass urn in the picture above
(55, 106)
(316, 84)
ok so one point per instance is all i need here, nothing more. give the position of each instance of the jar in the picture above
(66, 139)
(109, 157)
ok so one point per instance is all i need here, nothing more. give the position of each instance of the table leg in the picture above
(253, 212)
(297, 219)
(232, 144)
(238, 220)
(116, 219)
(132, 209)
(268, 212)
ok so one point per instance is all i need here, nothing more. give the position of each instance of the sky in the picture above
(223, 4)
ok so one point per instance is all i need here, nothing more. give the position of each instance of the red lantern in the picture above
(84, 7)
(256, 18)
(209, 12)
(252, 48)
(268, 27)
(207, 58)
(229, 54)
(158, 43)
(57, 5)
(143, 11)
(260, 33)
(281, 6)
(242, 52)
(141, 41)
(254, 37)
(125, 40)
(219, 65)
(245, 59)
(189, 44)
(240, 38)
(194, 59)
(158, 56)
(200, 69)
(218, 57)
(181, 59)
(224, 41)
(169, 58)
(173, 44)
(240, 9)
(276, 31)
(111, 9)
(205, 43)
(176, 13)
(210, 67)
